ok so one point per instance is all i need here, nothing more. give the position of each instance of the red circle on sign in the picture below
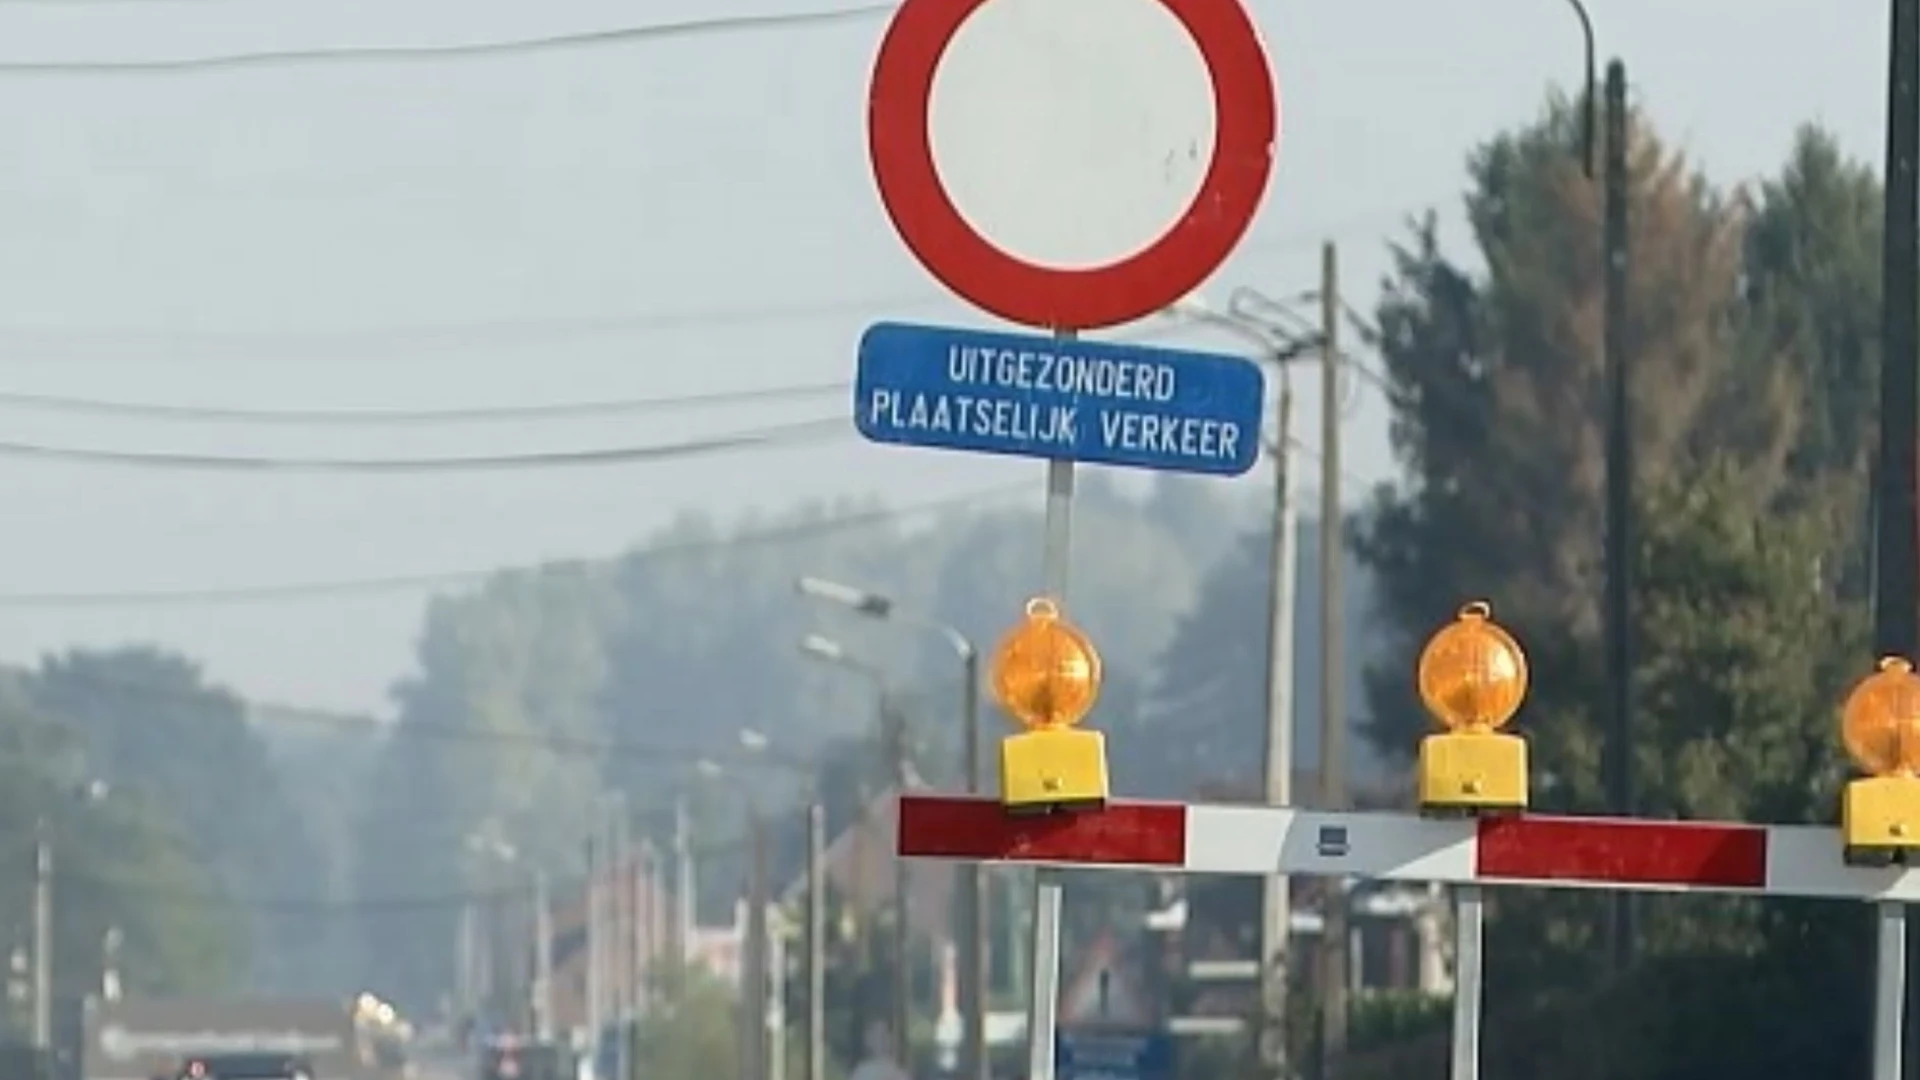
(900, 146)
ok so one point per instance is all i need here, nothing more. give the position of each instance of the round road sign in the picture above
(1071, 164)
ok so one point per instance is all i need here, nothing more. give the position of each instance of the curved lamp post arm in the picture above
(1587, 101)
(957, 641)
(875, 605)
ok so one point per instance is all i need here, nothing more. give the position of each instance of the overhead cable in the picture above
(472, 414)
(567, 41)
(115, 344)
(802, 431)
(798, 531)
(175, 894)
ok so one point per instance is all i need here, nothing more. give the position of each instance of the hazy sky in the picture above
(629, 220)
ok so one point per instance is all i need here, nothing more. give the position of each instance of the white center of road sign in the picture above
(1072, 133)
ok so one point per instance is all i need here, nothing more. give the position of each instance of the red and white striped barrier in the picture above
(1627, 854)
(1632, 854)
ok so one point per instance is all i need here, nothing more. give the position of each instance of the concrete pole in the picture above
(894, 726)
(1276, 910)
(754, 972)
(542, 958)
(1333, 709)
(42, 939)
(685, 885)
(596, 936)
(816, 940)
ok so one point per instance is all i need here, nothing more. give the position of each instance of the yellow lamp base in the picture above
(1053, 769)
(1473, 772)
(1880, 820)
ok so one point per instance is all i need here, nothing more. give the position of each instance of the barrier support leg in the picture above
(1890, 989)
(1043, 1007)
(1469, 924)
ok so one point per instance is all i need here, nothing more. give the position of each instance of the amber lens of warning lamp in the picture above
(1046, 674)
(1472, 675)
(1880, 722)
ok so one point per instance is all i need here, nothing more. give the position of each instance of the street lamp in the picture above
(490, 976)
(875, 605)
(847, 596)
(974, 931)
(1586, 107)
(824, 648)
(827, 650)
(486, 843)
(86, 792)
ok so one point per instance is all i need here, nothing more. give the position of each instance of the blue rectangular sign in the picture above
(1058, 398)
(1113, 1055)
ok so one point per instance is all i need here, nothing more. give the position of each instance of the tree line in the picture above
(1752, 341)
(167, 825)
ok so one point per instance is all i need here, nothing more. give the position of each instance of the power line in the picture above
(741, 760)
(553, 742)
(178, 895)
(1451, 396)
(476, 414)
(407, 53)
(57, 686)
(452, 336)
(61, 684)
(416, 339)
(802, 431)
(802, 530)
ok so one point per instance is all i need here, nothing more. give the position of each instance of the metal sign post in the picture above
(1469, 979)
(1049, 894)
(1889, 990)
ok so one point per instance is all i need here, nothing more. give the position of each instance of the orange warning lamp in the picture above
(1880, 728)
(1472, 677)
(1046, 675)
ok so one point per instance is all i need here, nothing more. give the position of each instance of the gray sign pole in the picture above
(1043, 1010)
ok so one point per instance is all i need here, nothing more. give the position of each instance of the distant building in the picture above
(634, 885)
(860, 871)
